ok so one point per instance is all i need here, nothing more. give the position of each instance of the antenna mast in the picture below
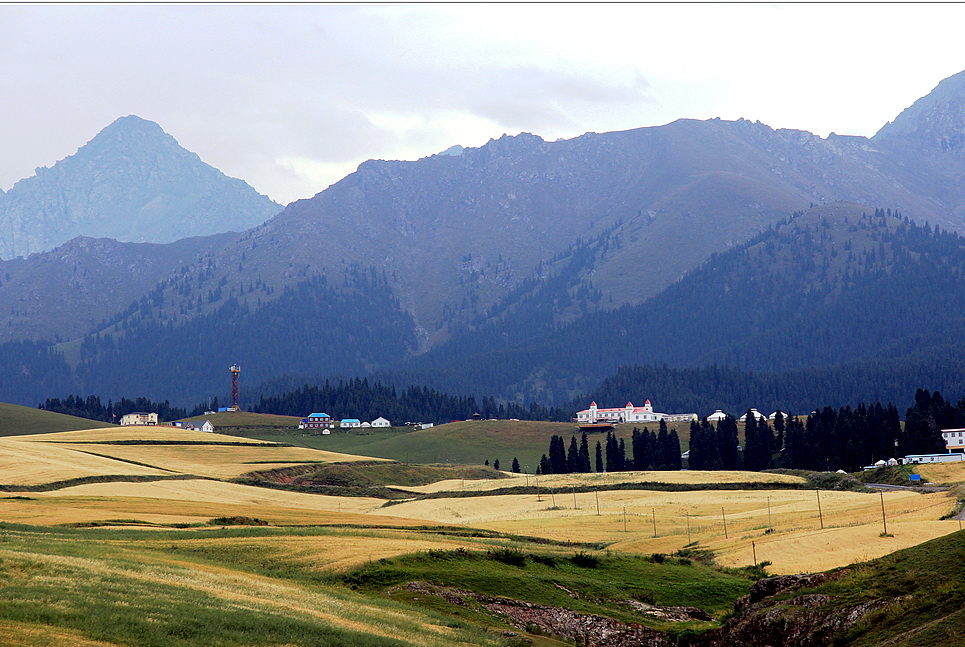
(235, 370)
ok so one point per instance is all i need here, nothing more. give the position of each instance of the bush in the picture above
(586, 560)
(511, 556)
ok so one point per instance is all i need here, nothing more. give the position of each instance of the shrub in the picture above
(585, 560)
(511, 556)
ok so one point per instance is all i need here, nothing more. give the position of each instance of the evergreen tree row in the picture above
(648, 451)
(92, 408)
(362, 399)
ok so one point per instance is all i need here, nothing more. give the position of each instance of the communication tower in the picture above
(235, 370)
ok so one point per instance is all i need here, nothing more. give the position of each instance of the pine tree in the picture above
(585, 466)
(496, 464)
(573, 457)
(727, 443)
(599, 458)
(515, 467)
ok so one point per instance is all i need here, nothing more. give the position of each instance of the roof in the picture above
(350, 420)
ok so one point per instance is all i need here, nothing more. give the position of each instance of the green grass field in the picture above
(466, 443)
(16, 420)
(248, 420)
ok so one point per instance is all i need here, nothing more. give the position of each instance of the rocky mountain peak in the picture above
(132, 182)
(935, 122)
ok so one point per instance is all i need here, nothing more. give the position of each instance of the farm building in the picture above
(717, 416)
(629, 413)
(206, 426)
(933, 458)
(380, 422)
(316, 421)
(139, 418)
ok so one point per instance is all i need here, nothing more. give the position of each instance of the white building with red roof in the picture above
(629, 413)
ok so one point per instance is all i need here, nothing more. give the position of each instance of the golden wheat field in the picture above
(942, 472)
(30, 463)
(601, 480)
(45, 458)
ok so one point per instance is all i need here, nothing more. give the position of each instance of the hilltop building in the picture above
(139, 418)
(629, 413)
(316, 421)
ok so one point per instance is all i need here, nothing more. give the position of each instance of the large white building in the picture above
(629, 413)
(954, 439)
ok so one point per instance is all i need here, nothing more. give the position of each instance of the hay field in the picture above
(29, 463)
(215, 461)
(797, 543)
(46, 458)
(602, 480)
(193, 502)
(942, 472)
(134, 433)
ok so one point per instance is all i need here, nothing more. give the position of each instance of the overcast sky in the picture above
(293, 98)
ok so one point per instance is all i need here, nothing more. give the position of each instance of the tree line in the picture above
(649, 450)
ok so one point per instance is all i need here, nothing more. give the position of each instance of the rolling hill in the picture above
(16, 420)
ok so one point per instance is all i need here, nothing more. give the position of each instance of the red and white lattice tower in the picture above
(235, 370)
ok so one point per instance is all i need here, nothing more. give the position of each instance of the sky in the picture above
(291, 98)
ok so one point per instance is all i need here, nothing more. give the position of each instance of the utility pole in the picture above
(884, 520)
(820, 514)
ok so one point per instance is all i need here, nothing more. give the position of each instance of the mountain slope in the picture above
(132, 182)
(837, 284)
(64, 293)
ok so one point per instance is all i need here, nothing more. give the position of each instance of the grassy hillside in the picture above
(16, 420)
(469, 442)
(248, 420)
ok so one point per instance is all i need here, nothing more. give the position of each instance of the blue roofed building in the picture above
(350, 422)
(316, 421)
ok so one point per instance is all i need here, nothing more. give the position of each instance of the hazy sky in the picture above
(293, 98)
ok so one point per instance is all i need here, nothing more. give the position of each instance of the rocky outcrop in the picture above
(769, 616)
(588, 630)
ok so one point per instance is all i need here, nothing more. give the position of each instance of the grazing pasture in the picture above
(16, 420)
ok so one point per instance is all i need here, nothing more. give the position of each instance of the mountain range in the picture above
(526, 268)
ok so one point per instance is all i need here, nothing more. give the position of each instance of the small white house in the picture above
(381, 422)
(206, 426)
(349, 423)
(365, 425)
(716, 416)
